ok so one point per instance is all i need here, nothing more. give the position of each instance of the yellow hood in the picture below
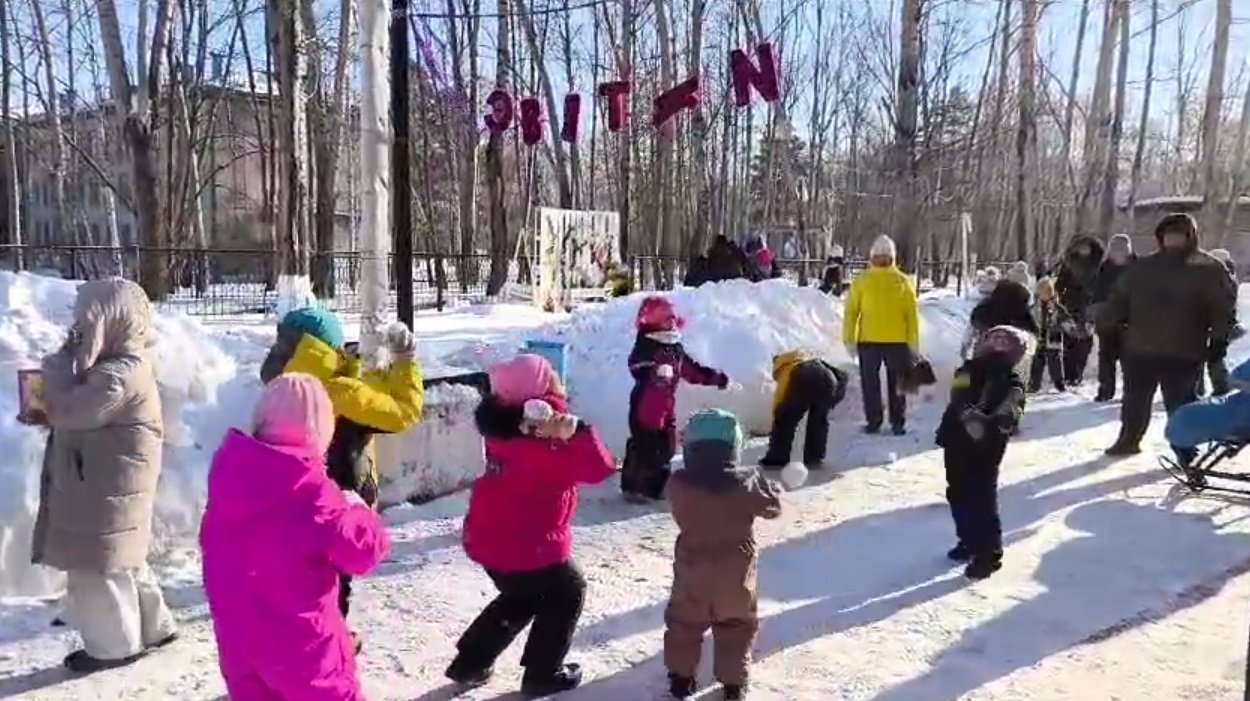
(783, 368)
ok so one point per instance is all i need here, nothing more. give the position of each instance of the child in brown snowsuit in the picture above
(715, 503)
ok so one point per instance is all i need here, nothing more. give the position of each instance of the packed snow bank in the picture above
(192, 370)
(735, 326)
(209, 382)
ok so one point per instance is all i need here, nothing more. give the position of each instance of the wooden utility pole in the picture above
(401, 166)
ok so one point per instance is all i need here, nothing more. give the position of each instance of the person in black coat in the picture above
(1119, 256)
(831, 279)
(1074, 282)
(987, 400)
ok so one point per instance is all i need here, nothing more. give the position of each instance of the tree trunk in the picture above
(625, 141)
(1236, 180)
(665, 135)
(905, 127)
(294, 223)
(466, 83)
(1111, 179)
(1097, 121)
(699, 127)
(13, 187)
(136, 113)
(564, 184)
(496, 188)
(1212, 114)
(331, 127)
(60, 153)
(1139, 154)
(1026, 135)
(1069, 114)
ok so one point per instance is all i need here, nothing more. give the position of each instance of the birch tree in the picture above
(1026, 134)
(136, 113)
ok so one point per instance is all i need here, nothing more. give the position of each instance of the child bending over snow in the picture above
(658, 363)
(806, 386)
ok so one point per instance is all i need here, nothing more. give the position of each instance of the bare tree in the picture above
(1026, 134)
(1112, 177)
(496, 188)
(136, 112)
(1139, 153)
(1212, 115)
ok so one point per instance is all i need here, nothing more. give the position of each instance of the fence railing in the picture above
(225, 282)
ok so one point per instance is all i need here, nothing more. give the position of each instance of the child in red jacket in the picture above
(659, 364)
(519, 526)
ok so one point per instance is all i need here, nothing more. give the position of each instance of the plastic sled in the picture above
(1198, 473)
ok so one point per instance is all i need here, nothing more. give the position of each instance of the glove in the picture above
(401, 342)
(560, 427)
(722, 381)
(354, 499)
(974, 424)
(664, 372)
(534, 415)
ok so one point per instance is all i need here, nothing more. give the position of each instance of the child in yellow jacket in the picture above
(311, 341)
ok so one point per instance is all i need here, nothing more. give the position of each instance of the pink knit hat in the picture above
(295, 412)
(522, 378)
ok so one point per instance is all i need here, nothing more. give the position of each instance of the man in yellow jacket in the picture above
(881, 326)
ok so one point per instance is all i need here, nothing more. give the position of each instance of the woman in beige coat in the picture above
(100, 473)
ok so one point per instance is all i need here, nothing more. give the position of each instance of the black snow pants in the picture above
(972, 492)
(551, 598)
(648, 455)
(1144, 374)
(813, 392)
(896, 357)
(1076, 350)
(1108, 362)
(1048, 360)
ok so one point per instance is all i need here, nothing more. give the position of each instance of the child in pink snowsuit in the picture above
(276, 534)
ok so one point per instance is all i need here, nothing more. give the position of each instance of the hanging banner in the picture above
(748, 76)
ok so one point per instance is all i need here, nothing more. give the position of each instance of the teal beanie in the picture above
(320, 324)
(714, 425)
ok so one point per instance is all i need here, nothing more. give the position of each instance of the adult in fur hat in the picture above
(1177, 309)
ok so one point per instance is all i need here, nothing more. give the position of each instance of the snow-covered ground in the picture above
(1116, 585)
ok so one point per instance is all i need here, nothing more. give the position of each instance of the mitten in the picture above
(974, 423)
(401, 342)
(664, 372)
(560, 427)
(722, 381)
(535, 414)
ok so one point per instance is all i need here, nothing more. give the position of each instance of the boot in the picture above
(959, 553)
(734, 693)
(899, 430)
(872, 430)
(982, 566)
(80, 662)
(468, 675)
(566, 678)
(680, 687)
(1122, 450)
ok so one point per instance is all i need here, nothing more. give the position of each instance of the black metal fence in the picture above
(220, 283)
(239, 282)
